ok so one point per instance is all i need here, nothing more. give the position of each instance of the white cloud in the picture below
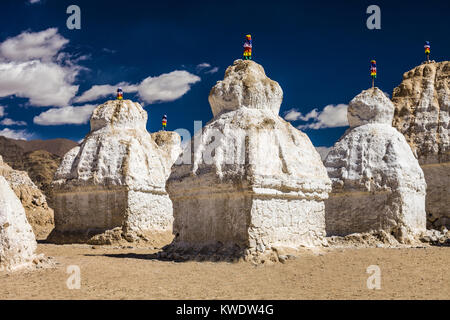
(331, 116)
(101, 91)
(11, 122)
(292, 115)
(163, 88)
(34, 1)
(295, 115)
(44, 84)
(32, 66)
(65, 115)
(33, 45)
(203, 65)
(15, 134)
(2, 111)
(166, 87)
(213, 70)
(313, 114)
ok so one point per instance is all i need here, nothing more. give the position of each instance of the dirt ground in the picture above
(134, 273)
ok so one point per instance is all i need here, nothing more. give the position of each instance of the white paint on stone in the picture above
(116, 177)
(254, 181)
(242, 87)
(17, 241)
(370, 107)
(377, 182)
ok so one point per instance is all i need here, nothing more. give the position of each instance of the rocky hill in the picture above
(10, 151)
(55, 146)
(41, 166)
(39, 158)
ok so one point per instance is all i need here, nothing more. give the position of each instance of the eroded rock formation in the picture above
(248, 181)
(112, 186)
(378, 184)
(17, 241)
(422, 106)
(38, 213)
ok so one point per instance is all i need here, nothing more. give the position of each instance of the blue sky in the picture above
(169, 54)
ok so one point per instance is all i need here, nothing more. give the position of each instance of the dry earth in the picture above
(134, 273)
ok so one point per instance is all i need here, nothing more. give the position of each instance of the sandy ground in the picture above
(134, 273)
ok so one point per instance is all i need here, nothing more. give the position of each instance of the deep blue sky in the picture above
(319, 51)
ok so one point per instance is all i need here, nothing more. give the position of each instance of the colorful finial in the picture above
(373, 71)
(164, 122)
(248, 48)
(119, 93)
(427, 49)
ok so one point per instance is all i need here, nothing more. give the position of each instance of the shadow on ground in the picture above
(157, 256)
(141, 256)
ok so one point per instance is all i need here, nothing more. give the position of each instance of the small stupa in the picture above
(112, 186)
(377, 182)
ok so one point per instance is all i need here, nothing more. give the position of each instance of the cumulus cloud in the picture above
(65, 115)
(2, 111)
(101, 91)
(44, 84)
(15, 134)
(295, 115)
(32, 66)
(166, 87)
(292, 115)
(33, 45)
(331, 116)
(11, 122)
(313, 114)
(163, 88)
